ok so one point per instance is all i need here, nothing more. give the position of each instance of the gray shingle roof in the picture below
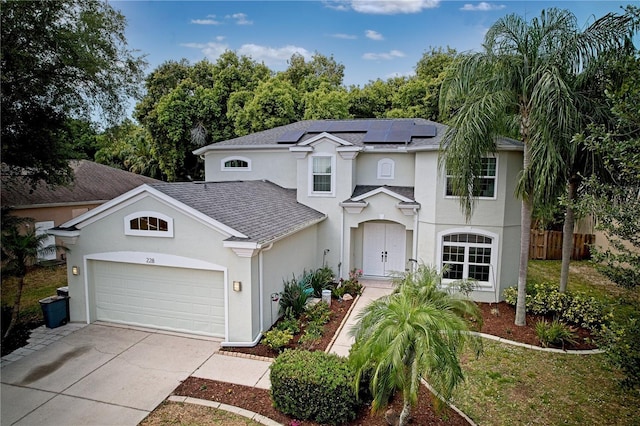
(268, 138)
(261, 210)
(405, 191)
(92, 182)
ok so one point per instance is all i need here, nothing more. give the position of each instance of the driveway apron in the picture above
(99, 375)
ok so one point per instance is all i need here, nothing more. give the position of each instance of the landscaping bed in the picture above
(339, 309)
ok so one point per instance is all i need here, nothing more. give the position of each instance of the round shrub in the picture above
(313, 386)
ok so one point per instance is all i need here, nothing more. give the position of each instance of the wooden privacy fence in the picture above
(547, 245)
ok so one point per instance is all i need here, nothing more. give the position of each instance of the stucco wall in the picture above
(276, 165)
(192, 240)
(287, 257)
(367, 169)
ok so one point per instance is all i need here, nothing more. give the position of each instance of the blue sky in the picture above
(371, 38)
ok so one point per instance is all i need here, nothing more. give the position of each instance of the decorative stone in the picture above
(347, 296)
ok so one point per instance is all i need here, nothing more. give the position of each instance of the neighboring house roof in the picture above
(413, 133)
(93, 183)
(261, 210)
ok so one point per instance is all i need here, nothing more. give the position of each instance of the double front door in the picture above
(384, 248)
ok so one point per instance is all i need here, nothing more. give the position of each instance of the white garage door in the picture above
(177, 299)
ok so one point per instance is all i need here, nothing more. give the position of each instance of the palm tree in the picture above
(417, 331)
(521, 85)
(21, 246)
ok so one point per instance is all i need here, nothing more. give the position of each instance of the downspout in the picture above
(261, 284)
(341, 263)
(415, 235)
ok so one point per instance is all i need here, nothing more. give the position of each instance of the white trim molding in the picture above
(332, 192)
(493, 265)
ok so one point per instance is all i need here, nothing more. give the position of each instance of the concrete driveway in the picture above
(99, 375)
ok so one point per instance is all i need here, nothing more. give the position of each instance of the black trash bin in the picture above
(64, 291)
(55, 310)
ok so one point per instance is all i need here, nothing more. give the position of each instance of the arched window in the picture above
(236, 164)
(386, 168)
(148, 224)
(469, 255)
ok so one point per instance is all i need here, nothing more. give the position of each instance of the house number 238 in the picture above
(151, 260)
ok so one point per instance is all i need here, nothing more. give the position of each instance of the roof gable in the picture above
(249, 211)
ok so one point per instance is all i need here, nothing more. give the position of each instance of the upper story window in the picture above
(149, 224)
(485, 184)
(237, 164)
(386, 169)
(322, 176)
(468, 256)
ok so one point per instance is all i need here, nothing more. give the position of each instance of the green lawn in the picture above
(511, 385)
(40, 282)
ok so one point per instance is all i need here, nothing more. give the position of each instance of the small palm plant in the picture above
(20, 248)
(416, 332)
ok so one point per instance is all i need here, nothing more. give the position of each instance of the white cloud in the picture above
(271, 55)
(392, 7)
(241, 18)
(205, 22)
(400, 74)
(482, 7)
(373, 35)
(385, 55)
(211, 50)
(344, 36)
(340, 5)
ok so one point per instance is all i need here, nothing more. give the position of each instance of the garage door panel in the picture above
(160, 297)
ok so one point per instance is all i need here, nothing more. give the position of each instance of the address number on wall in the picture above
(150, 260)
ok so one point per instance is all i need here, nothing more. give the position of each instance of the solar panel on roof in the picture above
(399, 135)
(317, 127)
(375, 136)
(348, 126)
(290, 136)
(424, 131)
(380, 125)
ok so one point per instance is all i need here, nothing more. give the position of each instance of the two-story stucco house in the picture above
(208, 257)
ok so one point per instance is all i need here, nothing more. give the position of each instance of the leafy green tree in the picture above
(309, 76)
(371, 101)
(416, 332)
(616, 205)
(326, 103)
(520, 84)
(21, 246)
(274, 103)
(61, 60)
(186, 107)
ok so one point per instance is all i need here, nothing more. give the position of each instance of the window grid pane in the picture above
(322, 183)
(322, 165)
(149, 223)
(453, 271)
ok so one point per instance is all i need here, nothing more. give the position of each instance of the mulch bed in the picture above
(498, 320)
(259, 401)
(339, 309)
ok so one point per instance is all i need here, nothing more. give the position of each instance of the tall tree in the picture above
(307, 76)
(520, 84)
(416, 332)
(326, 103)
(60, 60)
(616, 204)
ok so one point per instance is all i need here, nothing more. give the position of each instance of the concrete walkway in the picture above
(110, 374)
(372, 290)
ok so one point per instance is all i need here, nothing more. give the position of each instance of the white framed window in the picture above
(322, 176)
(468, 254)
(386, 168)
(485, 184)
(148, 224)
(235, 164)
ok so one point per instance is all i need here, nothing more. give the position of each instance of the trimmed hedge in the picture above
(313, 386)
